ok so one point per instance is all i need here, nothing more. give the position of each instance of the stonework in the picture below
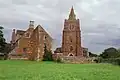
(30, 43)
(71, 50)
(37, 42)
(71, 39)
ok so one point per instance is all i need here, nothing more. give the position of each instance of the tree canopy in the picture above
(92, 54)
(47, 54)
(110, 53)
(2, 40)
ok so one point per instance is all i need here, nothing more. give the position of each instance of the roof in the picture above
(43, 30)
(20, 32)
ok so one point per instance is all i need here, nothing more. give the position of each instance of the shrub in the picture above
(59, 60)
(96, 60)
(47, 56)
(115, 61)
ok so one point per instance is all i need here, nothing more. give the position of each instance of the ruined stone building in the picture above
(30, 43)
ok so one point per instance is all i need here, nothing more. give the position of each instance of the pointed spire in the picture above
(72, 15)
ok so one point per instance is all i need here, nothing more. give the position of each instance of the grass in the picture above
(31, 70)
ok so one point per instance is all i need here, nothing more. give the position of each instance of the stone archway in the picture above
(70, 54)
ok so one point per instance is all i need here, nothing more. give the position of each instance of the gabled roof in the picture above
(40, 28)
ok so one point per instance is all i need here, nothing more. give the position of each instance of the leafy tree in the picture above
(2, 41)
(47, 54)
(110, 53)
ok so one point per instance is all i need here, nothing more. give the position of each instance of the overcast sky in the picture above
(100, 19)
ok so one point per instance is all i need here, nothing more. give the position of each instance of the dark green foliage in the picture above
(96, 60)
(59, 60)
(2, 41)
(110, 53)
(115, 61)
(92, 55)
(47, 55)
(4, 47)
(3, 56)
(7, 48)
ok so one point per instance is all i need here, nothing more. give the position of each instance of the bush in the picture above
(96, 60)
(115, 61)
(59, 60)
(47, 56)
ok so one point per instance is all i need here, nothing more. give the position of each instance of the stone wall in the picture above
(73, 59)
(18, 57)
(81, 60)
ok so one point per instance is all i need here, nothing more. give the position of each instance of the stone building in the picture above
(37, 42)
(71, 49)
(58, 53)
(71, 39)
(29, 44)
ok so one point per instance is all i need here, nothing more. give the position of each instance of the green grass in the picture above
(31, 70)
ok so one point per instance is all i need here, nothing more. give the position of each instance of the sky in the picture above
(99, 19)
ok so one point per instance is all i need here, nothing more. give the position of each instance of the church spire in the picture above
(72, 15)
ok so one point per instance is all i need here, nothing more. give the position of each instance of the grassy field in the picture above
(28, 70)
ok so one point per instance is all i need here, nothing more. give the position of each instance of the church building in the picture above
(29, 44)
(71, 38)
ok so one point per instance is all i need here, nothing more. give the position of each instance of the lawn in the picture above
(31, 70)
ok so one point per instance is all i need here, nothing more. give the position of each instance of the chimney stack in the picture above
(13, 36)
(31, 25)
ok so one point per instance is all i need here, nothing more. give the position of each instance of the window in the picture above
(24, 49)
(71, 55)
(44, 37)
(71, 48)
(70, 39)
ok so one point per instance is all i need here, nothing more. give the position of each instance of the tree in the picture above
(2, 41)
(110, 53)
(47, 54)
(92, 55)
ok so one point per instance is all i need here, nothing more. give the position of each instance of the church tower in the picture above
(71, 39)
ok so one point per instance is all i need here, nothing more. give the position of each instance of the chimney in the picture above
(31, 24)
(13, 36)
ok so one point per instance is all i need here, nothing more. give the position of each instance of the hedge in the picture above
(115, 61)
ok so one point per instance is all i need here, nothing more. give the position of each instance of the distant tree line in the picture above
(109, 55)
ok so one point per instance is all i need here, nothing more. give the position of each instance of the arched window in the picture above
(44, 38)
(71, 48)
(71, 55)
(70, 39)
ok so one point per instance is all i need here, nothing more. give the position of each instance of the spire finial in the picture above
(72, 15)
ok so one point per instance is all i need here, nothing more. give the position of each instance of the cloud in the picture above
(99, 19)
